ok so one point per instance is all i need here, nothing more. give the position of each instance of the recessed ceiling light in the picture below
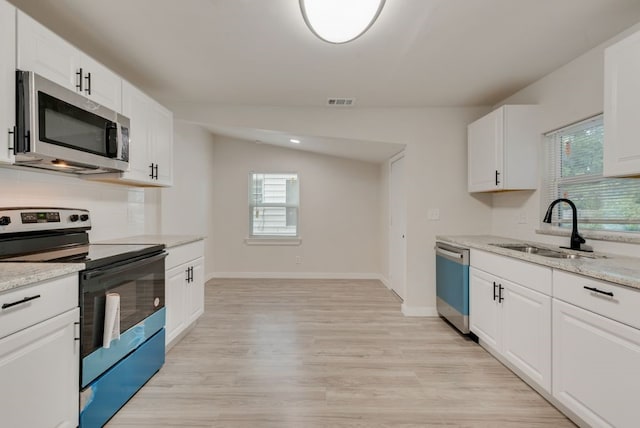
(295, 141)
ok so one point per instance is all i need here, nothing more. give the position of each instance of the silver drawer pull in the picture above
(608, 293)
(25, 300)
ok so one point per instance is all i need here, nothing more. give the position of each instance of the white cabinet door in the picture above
(484, 311)
(595, 366)
(151, 139)
(503, 150)
(175, 301)
(485, 139)
(101, 84)
(45, 53)
(7, 80)
(41, 364)
(162, 143)
(526, 331)
(513, 321)
(136, 106)
(195, 291)
(622, 108)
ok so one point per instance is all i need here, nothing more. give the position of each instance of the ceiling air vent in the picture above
(341, 102)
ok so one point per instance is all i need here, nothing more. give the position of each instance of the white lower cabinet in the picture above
(576, 337)
(39, 364)
(595, 358)
(514, 322)
(184, 298)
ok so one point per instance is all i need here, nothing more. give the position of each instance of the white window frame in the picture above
(615, 223)
(272, 239)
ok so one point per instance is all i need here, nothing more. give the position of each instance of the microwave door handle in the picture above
(112, 140)
(92, 274)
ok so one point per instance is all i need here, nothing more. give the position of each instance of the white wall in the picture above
(436, 167)
(569, 94)
(339, 218)
(186, 207)
(116, 211)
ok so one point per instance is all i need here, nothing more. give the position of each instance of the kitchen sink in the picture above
(542, 251)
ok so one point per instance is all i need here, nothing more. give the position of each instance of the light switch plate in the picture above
(433, 214)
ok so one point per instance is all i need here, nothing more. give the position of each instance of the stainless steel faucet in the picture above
(576, 239)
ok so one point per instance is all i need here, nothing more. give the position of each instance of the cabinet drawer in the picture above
(530, 275)
(56, 296)
(184, 253)
(622, 306)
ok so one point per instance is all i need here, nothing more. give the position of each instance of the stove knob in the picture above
(73, 217)
(4, 220)
(84, 217)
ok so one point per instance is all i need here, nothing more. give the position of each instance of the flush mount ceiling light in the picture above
(340, 21)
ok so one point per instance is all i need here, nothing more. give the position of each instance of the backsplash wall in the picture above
(116, 210)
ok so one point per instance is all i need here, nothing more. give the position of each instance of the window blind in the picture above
(273, 204)
(573, 163)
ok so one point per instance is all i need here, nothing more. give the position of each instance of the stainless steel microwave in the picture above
(61, 130)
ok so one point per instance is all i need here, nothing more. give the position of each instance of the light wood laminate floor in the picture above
(328, 353)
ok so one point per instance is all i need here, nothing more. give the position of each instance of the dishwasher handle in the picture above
(443, 252)
(461, 256)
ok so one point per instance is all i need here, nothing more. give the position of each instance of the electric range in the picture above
(121, 298)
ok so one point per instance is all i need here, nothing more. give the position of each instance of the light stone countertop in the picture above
(607, 267)
(14, 275)
(169, 241)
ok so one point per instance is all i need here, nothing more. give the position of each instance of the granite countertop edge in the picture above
(169, 241)
(15, 275)
(622, 270)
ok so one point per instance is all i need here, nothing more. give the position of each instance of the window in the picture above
(273, 205)
(574, 171)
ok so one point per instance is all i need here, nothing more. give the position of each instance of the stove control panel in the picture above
(41, 217)
(14, 220)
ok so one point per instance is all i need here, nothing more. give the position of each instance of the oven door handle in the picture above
(123, 267)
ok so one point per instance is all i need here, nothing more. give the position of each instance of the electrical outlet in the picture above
(298, 260)
(522, 218)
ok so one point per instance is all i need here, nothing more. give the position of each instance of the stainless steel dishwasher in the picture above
(452, 285)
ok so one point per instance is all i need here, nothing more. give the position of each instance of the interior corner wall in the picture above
(384, 223)
(436, 170)
(567, 95)
(338, 218)
(186, 206)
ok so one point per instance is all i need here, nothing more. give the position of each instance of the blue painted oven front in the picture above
(114, 368)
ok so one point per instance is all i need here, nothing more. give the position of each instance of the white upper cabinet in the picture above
(503, 150)
(622, 108)
(151, 139)
(7, 80)
(45, 53)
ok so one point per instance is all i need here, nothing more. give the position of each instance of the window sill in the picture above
(626, 237)
(273, 241)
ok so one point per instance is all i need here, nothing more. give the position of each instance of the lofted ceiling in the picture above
(419, 53)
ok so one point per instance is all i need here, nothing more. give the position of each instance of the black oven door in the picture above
(140, 284)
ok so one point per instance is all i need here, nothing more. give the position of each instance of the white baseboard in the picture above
(296, 275)
(385, 281)
(418, 311)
